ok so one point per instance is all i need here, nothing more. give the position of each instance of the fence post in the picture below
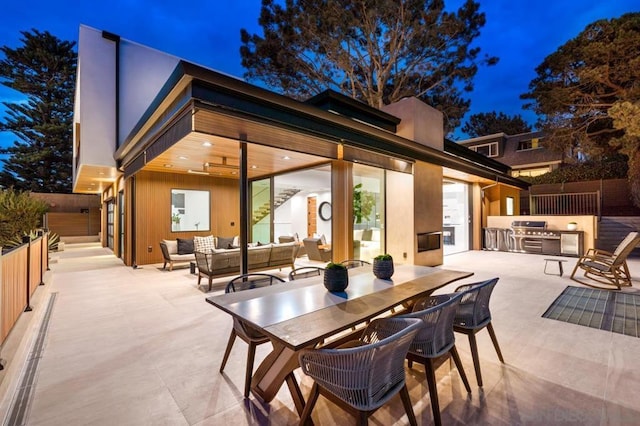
(530, 202)
(27, 240)
(41, 235)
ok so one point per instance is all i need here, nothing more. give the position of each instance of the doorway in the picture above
(456, 219)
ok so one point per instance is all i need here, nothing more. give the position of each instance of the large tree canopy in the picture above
(489, 123)
(377, 51)
(587, 91)
(43, 70)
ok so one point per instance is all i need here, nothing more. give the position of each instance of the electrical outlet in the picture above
(404, 255)
(149, 249)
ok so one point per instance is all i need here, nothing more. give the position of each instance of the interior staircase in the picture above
(279, 199)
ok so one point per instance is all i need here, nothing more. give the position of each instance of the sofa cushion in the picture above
(204, 244)
(224, 243)
(185, 245)
(172, 246)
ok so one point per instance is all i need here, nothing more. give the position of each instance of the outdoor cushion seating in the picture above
(435, 340)
(314, 252)
(242, 330)
(219, 263)
(609, 269)
(363, 375)
(170, 254)
(473, 314)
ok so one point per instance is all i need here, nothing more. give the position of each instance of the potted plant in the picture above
(336, 277)
(572, 226)
(383, 266)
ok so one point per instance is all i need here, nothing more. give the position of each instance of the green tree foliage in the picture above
(614, 167)
(43, 70)
(19, 214)
(489, 123)
(587, 91)
(376, 51)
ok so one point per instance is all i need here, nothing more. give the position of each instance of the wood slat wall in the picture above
(14, 284)
(35, 278)
(153, 210)
(74, 224)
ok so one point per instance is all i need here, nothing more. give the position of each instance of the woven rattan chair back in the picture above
(473, 310)
(368, 375)
(305, 272)
(436, 335)
(354, 263)
(251, 281)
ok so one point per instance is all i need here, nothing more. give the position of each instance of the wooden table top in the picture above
(302, 312)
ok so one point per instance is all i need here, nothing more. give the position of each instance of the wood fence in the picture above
(22, 271)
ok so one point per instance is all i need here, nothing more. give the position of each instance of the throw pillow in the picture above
(185, 246)
(172, 246)
(224, 243)
(323, 240)
(204, 244)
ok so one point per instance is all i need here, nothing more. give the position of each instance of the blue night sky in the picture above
(520, 33)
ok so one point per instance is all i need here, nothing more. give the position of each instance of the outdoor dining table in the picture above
(301, 313)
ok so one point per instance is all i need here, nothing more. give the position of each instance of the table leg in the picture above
(276, 368)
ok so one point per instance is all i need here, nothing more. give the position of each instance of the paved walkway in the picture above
(141, 347)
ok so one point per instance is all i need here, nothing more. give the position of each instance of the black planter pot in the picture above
(383, 269)
(336, 280)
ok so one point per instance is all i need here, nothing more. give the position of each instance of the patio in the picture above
(141, 347)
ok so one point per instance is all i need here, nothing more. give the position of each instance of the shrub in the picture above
(332, 265)
(613, 168)
(19, 215)
(383, 257)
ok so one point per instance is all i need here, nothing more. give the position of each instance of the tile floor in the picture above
(141, 347)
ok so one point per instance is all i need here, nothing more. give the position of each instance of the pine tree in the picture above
(376, 51)
(43, 70)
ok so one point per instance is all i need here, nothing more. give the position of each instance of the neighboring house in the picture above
(524, 153)
(177, 150)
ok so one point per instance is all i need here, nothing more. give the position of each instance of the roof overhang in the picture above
(240, 111)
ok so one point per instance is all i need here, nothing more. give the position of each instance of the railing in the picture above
(22, 271)
(577, 203)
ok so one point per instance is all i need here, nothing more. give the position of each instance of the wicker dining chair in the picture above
(473, 314)
(305, 272)
(250, 335)
(435, 340)
(363, 375)
(354, 263)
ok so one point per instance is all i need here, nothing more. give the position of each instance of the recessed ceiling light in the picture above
(286, 157)
(101, 173)
(234, 173)
(207, 144)
(168, 166)
(182, 157)
(254, 167)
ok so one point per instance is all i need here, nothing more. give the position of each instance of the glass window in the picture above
(190, 210)
(510, 206)
(488, 150)
(368, 212)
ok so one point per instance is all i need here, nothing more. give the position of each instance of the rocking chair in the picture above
(608, 269)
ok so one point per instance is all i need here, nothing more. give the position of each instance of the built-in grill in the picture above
(534, 237)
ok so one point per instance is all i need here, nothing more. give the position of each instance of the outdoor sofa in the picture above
(220, 262)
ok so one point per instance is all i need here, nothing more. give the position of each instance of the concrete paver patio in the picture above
(141, 347)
